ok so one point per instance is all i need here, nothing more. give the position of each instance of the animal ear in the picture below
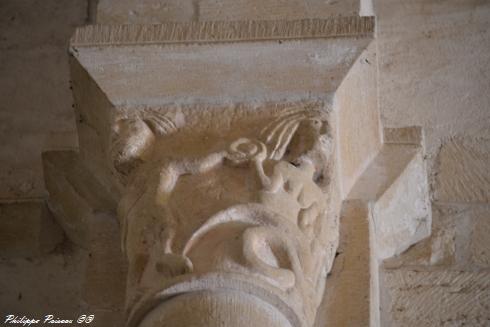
(131, 144)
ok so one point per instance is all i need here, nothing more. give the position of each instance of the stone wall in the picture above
(434, 72)
(39, 271)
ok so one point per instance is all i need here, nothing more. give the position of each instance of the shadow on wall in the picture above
(35, 98)
(35, 115)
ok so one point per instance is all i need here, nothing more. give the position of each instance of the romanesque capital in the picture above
(228, 200)
(225, 149)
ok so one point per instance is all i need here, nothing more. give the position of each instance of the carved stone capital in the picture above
(241, 202)
(227, 149)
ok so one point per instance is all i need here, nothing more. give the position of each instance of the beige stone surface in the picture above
(27, 230)
(158, 11)
(274, 9)
(402, 215)
(433, 73)
(458, 236)
(463, 166)
(145, 12)
(131, 76)
(35, 100)
(215, 309)
(405, 135)
(417, 297)
(93, 112)
(348, 284)
(254, 148)
(382, 171)
(434, 68)
(358, 122)
(76, 197)
(451, 265)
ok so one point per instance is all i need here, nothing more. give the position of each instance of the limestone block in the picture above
(75, 195)
(458, 240)
(159, 11)
(274, 9)
(480, 242)
(463, 171)
(459, 236)
(402, 215)
(145, 12)
(348, 284)
(169, 72)
(111, 79)
(27, 229)
(383, 171)
(420, 297)
(427, 75)
(93, 113)
(358, 123)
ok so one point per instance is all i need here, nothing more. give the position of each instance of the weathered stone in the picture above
(35, 100)
(433, 74)
(405, 135)
(457, 240)
(348, 284)
(28, 24)
(26, 134)
(459, 236)
(136, 75)
(87, 213)
(463, 171)
(159, 11)
(480, 242)
(434, 67)
(48, 284)
(27, 230)
(273, 9)
(382, 171)
(357, 120)
(222, 31)
(76, 197)
(104, 285)
(110, 12)
(402, 215)
(220, 309)
(93, 111)
(251, 169)
(418, 297)
(263, 219)
(259, 208)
